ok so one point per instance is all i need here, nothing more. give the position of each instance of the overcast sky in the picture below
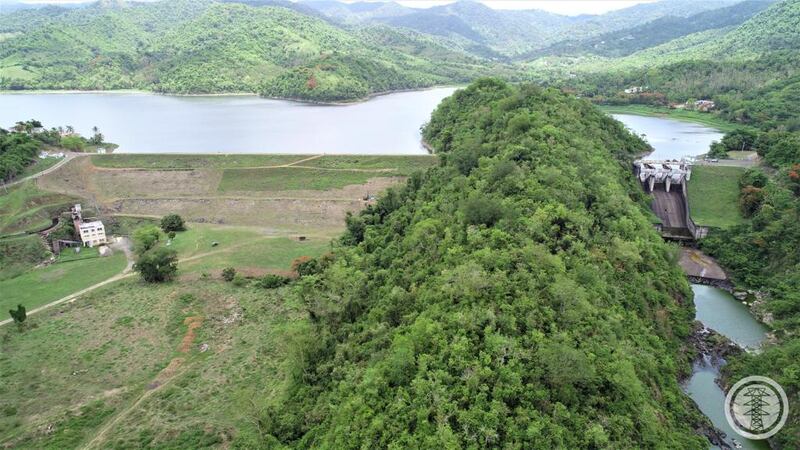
(568, 7)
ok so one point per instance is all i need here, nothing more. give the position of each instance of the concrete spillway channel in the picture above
(669, 207)
(666, 181)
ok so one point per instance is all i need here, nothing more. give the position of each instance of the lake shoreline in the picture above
(705, 119)
(229, 94)
(145, 122)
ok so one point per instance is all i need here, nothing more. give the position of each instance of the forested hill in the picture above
(514, 297)
(751, 70)
(650, 34)
(183, 46)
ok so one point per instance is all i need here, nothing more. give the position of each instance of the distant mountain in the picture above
(751, 70)
(656, 32)
(496, 33)
(201, 46)
(503, 31)
(774, 29)
(359, 12)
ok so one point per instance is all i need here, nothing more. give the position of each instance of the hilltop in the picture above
(181, 46)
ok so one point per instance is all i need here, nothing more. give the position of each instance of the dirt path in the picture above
(183, 169)
(302, 161)
(67, 158)
(128, 272)
(164, 378)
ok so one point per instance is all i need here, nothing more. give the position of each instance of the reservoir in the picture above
(671, 139)
(153, 123)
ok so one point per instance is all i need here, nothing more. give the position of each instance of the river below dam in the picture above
(715, 309)
(721, 312)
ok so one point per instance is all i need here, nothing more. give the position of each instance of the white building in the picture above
(92, 233)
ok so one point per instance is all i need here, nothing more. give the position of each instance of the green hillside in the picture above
(749, 70)
(496, 301)
(650, 34)
(182, 46)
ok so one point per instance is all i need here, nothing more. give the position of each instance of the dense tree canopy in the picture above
(522, 300)
(17, 151)
(274, 50)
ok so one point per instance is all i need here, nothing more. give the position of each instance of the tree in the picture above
(753, 177)
(19, 315)
(157, 265)
(480, 210)
(97, 139)
(73, 142)
(145, 238)
(717, 150)
(228, 274)
(750, 200)
(172, 222)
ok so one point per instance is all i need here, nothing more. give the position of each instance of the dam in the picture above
(666, 181)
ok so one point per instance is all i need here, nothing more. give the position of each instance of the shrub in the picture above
(19, 315)
(171, 235)
(717, 151)
(271, 281)
(305, 265)
(172, 222)
(73, 142)
(750, 200)
(228, 274)
(239, 280)
(753, 177)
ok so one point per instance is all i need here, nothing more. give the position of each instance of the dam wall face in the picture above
(666, 182)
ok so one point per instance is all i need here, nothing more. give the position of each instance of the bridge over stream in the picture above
(666, 181)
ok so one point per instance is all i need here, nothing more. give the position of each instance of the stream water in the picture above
(720, 311)
(715, 308)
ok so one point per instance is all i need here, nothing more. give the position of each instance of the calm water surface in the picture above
(151, 123)
(671, 139)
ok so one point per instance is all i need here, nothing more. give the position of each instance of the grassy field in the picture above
(38, 166)
(291, 179)
(25, 208)
(400, 165)
(708, 119)
(20, 254)
(272, 255)
(40, 286)
(714, 196)
(742, 155)
(123, 367)
(200, 161)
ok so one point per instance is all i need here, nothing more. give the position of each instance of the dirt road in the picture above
(67, 158)
(125, 246)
